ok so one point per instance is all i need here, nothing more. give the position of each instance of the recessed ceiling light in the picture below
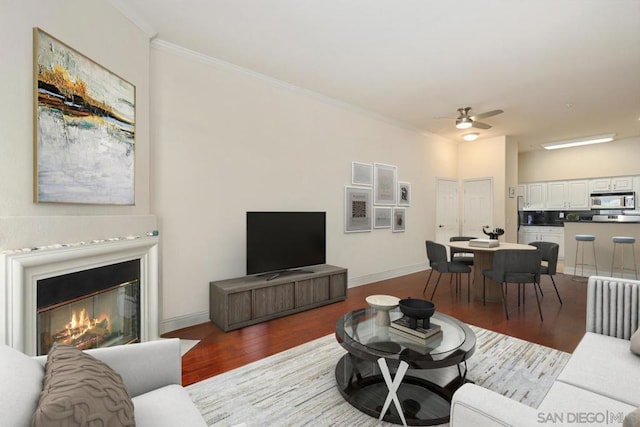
(579, 141)
(471, 136)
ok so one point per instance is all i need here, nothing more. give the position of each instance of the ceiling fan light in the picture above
(463, 123)
(579, 141)
(470, 136)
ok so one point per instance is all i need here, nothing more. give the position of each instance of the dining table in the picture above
(483, 260)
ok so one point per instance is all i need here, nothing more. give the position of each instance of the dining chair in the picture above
(462, 256)
(437, 255)
(518, 266)
(549, 252)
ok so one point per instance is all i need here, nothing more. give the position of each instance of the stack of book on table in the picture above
(419, 335)
(484, 243)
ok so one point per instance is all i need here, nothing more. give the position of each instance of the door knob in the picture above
(440, 226)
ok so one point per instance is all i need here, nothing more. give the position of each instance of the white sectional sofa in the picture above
(600, 384)
(151, 372)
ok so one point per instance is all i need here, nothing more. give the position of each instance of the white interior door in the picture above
(477, 206)
(447, 222)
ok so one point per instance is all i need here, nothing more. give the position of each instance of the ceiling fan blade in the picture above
(487, 114)
(480, 125)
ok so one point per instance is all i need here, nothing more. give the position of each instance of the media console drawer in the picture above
(244, 301)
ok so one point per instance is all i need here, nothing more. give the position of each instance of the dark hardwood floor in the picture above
(562, 328)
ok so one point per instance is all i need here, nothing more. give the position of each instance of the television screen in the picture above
(278, 241)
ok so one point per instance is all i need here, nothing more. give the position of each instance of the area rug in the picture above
(297, 387)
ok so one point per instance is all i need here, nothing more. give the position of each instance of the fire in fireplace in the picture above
(92, 308)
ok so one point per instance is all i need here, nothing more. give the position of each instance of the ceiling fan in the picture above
(465, 121)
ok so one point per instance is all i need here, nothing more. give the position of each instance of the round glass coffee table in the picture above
(425, 376)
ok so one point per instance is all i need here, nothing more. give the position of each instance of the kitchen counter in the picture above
(603, 232)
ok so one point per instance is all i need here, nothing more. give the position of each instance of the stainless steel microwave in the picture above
(613, 201)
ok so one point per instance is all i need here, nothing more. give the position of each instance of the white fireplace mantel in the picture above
(21, 270)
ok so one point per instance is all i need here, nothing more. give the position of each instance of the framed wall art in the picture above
(84, 128)
(404, 194)
(382, 217)
(384, 184)
(399, 220)
(361, 173)
(357, 209)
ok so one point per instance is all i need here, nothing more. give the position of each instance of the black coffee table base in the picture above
(424, 403)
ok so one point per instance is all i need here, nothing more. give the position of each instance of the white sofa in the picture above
(151, 372)
(600, 384)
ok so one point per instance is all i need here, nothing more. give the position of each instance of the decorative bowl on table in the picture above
(417, 309)
(382, 304)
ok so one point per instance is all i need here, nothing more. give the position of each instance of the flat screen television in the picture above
(281, 241)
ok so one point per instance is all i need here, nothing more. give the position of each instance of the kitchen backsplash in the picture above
(552, 217)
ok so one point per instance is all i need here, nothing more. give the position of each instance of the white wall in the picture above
(617, 158)
(98, 31)
(226, 142)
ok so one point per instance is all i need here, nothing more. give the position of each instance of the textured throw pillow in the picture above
(635, 342)
(632, 419)
(80, 390)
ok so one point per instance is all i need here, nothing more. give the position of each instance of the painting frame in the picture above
(84, 128)
(362, 174)
(357, 210)
(384, 184)
(382, 216)
(399, 220)
(404, 193)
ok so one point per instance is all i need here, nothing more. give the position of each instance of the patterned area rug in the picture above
(297, 387)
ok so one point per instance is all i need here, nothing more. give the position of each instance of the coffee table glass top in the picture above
(359, 333)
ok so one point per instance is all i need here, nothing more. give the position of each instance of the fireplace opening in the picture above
(98, 307)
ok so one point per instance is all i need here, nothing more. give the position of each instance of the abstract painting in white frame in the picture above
(399, 220)
(361, 173)
(404, 194)
(357, 209)
(384, 184)
(382, 217)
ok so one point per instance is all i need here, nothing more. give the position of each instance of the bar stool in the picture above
(622, 241)
(580, 240)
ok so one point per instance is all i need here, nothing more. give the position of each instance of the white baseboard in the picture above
(384, 275)
(180, 322)
(588, 272)
(185, 321)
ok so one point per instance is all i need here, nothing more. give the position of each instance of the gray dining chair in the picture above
(462, 256)
(520, 266)
(549, 252)
(437, 255)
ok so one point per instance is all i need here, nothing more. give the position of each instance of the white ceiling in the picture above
(560, 69)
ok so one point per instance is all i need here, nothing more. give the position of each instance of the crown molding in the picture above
(135, 17)
(177, 50)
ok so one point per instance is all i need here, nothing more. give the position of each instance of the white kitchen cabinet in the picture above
(568, 195)
(578, 195)
(605, 185)
(557, 195)
(573, 195)
(622, 183)
(536, 195)
(533, 233)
